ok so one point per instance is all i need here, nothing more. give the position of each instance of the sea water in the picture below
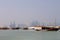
(28, 35)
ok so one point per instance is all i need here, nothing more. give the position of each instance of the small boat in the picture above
(17, 28)
(58, 30)
(25, 28)
(37, 30)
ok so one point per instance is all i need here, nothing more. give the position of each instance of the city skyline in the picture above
(27, 11)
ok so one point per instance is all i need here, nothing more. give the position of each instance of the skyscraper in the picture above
(12, 24)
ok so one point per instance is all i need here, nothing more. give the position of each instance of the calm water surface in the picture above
(28, 35)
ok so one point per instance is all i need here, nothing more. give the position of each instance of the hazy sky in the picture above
(26, 11)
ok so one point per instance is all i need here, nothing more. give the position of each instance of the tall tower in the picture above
(12, 24)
